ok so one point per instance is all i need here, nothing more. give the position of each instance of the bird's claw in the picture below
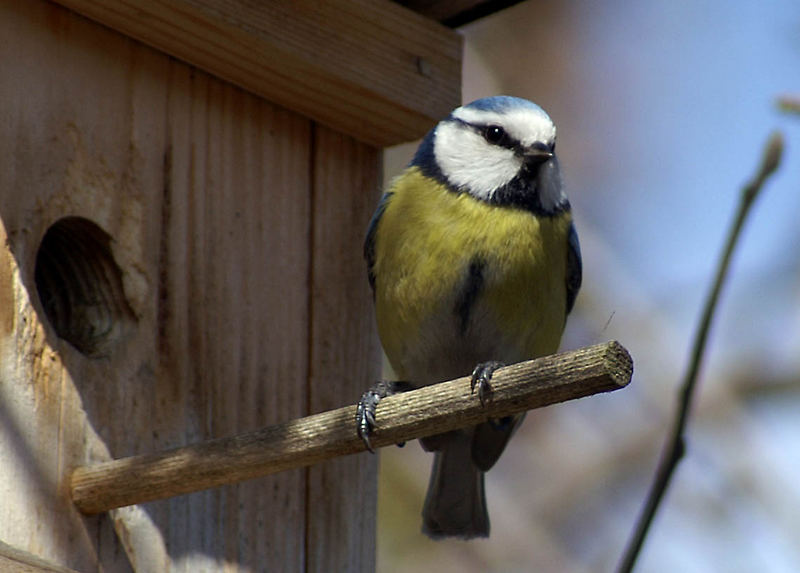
(365, 416)
(481, 378)
(367, 405)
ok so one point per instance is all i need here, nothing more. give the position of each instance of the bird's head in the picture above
(498, 149)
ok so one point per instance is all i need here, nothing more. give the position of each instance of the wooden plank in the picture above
(205, 190)
(233, 309)
(368, 68)
(49, 169)
(344, 351)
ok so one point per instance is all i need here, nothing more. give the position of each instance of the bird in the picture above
(474, 262)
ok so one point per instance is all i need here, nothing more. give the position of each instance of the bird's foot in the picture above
(481, 378)
(367, 405)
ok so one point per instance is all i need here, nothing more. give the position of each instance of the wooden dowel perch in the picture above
(305, 441)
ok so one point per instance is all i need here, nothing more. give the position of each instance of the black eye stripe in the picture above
(496, 135)
(506, 140)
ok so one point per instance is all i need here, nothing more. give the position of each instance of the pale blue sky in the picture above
(691, 86)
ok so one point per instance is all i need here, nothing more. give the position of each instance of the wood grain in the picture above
(233, 261)
(368, 68)
(344, 352)
(206, 192)
(313, 439)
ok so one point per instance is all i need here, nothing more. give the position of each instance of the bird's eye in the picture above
(494, 134)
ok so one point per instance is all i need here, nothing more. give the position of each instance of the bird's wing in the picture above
(369, 241)
(574, 267)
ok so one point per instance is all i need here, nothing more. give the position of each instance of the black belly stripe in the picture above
(473, 284)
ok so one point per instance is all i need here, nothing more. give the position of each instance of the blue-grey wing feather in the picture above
(574, 267)
(369, 241)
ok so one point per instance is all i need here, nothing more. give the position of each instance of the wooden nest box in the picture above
(184, 189)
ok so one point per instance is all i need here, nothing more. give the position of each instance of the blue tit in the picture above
(474, 261)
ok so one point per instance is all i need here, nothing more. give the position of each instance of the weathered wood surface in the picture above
(206, 191)
(310, 440)
(368, 68)
(344, 349)
(15, 561)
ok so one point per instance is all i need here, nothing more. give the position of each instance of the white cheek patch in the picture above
(470, 163)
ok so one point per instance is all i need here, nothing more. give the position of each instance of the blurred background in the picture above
(662, 110)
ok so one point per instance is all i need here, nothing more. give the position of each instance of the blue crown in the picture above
(501, 103)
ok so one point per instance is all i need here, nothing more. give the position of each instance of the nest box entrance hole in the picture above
(80, 286)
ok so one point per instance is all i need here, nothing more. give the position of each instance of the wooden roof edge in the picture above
(455, 13)
(368, 68)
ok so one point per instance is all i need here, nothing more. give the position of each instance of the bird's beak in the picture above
(536, 155)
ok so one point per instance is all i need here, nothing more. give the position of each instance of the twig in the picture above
(675, 446)
(789, 104)
(403, 417)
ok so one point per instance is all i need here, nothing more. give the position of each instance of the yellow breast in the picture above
(425, 243)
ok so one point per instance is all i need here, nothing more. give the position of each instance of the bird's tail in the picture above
(455, 505)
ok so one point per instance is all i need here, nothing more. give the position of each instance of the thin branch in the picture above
(789, 104)
(305, 441)
(675, 446)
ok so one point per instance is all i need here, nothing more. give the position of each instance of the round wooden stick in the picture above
(305, 441)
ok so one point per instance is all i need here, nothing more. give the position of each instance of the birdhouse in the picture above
(184, 190)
